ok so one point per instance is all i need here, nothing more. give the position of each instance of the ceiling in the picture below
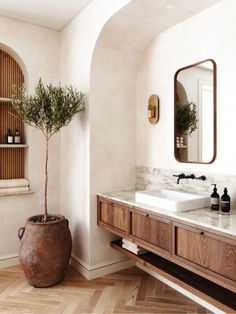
(55, 14)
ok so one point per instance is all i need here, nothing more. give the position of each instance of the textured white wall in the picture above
(38, 49)
(112, 132)
(78, 41)
(210, 34)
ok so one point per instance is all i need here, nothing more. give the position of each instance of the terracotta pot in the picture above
(45, 250)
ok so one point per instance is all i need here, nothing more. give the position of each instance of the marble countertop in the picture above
(204, 217)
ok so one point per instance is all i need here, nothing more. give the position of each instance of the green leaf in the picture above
(50, 108)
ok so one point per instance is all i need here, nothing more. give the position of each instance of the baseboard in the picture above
(183, 291)
(101, 271)
(8, 261)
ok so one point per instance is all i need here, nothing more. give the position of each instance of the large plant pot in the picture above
(45, 250)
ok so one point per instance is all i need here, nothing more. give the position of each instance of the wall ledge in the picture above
(17, 193)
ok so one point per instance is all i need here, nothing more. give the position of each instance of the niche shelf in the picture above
(12, 161)
(14, 146)
(2, 99)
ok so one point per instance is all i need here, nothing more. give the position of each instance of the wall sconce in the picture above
(153, 109)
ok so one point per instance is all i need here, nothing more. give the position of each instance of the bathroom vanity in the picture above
(194, 249)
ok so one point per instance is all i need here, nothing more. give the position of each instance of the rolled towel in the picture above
(10, 191)
(13, 183)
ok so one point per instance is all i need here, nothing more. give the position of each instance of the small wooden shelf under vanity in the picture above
(200, 257)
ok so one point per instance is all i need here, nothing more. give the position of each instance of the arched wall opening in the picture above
(37, 51)
(19, 61)
(121, 82)
(14, 163)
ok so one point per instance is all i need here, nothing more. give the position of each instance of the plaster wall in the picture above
(209, 34)
(112, 132)
(37, 51)
(113, 100)
(78, 41)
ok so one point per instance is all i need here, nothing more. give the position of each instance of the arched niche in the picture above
(19, 61)
(12, 155)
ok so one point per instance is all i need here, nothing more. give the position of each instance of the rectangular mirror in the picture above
(195, 113)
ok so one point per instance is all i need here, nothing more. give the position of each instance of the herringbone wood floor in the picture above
(128, 291)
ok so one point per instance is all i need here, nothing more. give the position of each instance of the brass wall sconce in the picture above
(153, 109)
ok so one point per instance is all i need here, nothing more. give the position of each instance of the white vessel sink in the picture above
(173, 200)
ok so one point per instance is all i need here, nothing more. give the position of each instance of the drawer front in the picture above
(151, 230)
(114, 215)
(206, 250)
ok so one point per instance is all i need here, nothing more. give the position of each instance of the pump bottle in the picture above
(225, 202)
(215, 199)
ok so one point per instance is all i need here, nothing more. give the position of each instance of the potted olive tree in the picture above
(45, 246)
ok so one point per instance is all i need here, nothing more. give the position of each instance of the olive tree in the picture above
(49, 109)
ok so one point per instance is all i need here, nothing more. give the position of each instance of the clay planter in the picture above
(45, 250)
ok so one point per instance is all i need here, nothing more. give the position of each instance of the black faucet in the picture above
(190, 176)
(183, 176)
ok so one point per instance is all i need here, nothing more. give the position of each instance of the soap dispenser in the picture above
(215, 199)
(225, 202)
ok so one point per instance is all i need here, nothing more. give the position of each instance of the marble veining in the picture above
(204, 217)
(147, 178)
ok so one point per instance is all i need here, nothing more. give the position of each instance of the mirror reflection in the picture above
(195, 113)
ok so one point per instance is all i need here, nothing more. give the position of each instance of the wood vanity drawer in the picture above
(152, 231)
(210, 251)
(114, 215)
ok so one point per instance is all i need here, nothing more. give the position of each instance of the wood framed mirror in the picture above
(195, 113)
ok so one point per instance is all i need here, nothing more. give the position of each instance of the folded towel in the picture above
(13, 183)
(14, 190)
(138, 251)
(134, 247)
(128, 242)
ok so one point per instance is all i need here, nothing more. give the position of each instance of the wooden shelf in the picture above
(210, 292)
(14, 145)
(184, 146)
(3, 99)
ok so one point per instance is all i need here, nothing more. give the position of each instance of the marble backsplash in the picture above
(154, 178)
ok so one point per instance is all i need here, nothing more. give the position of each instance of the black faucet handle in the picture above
(181, 175)
(192, 176)
(203, 178)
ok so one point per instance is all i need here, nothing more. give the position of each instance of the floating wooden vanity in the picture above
(199, 254)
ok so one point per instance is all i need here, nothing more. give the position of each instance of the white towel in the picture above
(134, 247)
(10, 191)
(13, 183)
(130, 243)
(137, 251)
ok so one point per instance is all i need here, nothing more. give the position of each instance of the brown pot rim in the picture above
(29, 220)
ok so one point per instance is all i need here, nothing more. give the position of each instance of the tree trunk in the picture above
(46, 184)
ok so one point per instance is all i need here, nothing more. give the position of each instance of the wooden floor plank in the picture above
(127, 291)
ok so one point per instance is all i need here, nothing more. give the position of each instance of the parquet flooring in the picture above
(128, 291)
